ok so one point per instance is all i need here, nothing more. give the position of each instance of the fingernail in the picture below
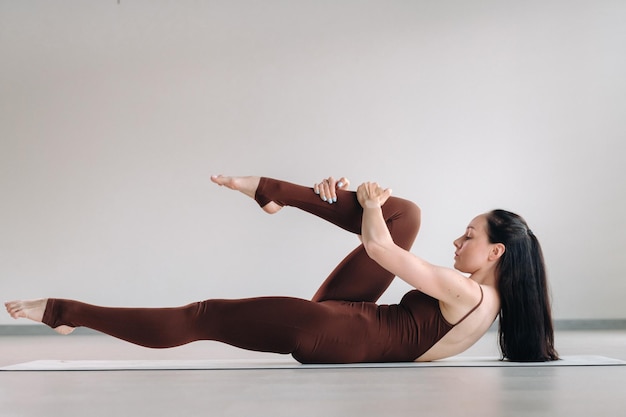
(335, 200)
(340, 184)
(323, 198)
(330, 201)
(316, 191)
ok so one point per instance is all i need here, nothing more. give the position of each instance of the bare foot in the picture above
(32, 310)
(245, 185)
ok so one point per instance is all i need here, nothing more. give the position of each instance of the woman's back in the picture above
(464, 334)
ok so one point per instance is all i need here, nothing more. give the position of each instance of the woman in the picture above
(443, 316)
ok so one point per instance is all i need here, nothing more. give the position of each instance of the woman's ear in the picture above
(497, 251)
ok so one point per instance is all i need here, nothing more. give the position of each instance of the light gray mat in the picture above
(143, 365)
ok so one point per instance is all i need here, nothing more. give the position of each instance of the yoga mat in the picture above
(145, 365)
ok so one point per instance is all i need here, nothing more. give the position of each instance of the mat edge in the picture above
(254, 364)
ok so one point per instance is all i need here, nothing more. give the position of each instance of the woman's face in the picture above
(473, 249)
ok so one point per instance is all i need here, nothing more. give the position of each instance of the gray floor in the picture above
(486, 392)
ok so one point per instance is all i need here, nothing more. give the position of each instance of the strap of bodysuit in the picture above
(475, 307)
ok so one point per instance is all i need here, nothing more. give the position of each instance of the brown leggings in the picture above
(341, 324)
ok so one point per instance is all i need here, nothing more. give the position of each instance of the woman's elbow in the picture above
(375, 250)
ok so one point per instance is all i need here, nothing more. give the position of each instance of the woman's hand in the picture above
(370, 195)
(327, 189)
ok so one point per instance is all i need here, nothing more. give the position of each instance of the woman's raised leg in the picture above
(357, 277)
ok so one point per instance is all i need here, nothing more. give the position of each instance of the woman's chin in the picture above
(461, 269)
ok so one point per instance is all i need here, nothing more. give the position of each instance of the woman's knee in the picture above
(404, 221)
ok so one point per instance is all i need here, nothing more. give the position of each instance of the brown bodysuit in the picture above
(341, 324)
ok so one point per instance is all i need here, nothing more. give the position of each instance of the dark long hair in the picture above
(526, 332)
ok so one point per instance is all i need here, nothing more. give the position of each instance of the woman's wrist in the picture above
(372, 204)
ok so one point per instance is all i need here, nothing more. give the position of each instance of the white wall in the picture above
(113, 116)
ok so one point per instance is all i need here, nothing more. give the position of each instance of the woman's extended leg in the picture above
(311, 332)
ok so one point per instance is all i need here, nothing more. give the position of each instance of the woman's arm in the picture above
(445, 284)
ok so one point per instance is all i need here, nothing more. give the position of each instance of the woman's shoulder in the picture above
(478, 297)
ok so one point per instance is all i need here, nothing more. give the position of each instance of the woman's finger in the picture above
(343, 183)
(332, 190)
(327, 191)
(323, 190)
